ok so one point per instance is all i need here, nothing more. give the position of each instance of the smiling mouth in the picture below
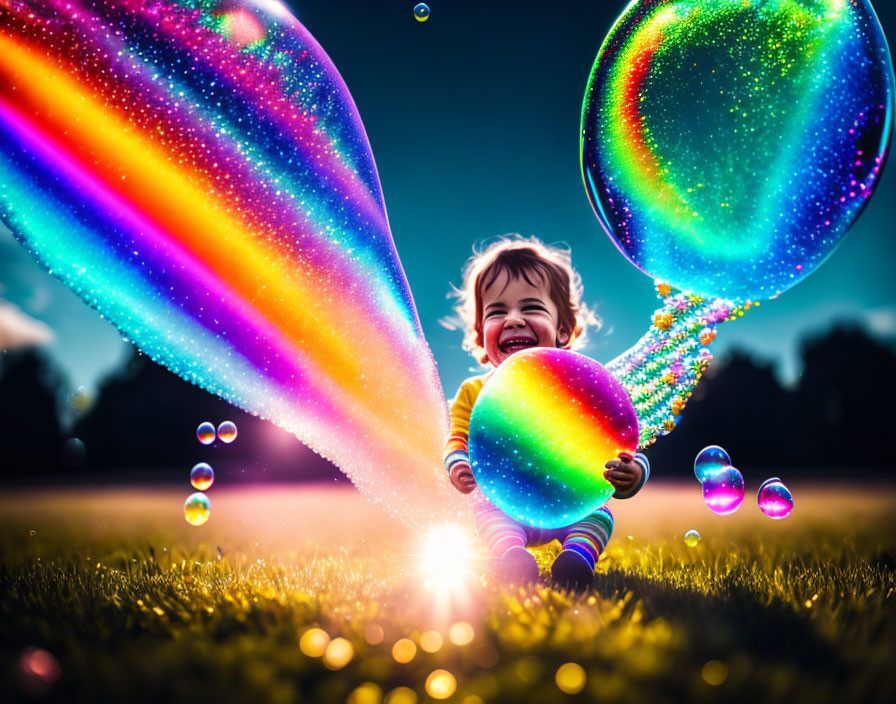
(515, 344)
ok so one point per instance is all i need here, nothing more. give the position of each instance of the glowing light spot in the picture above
(338, 654)
(197, 509)
(440, 684)
(205, 433)
(446, 557)
(242, 27)
(404, 650)
(39, 664)
(373, 633)
(202, 476)
(431, 641)
(314, 642)
(715, 672)
(227, 432)
(461, 633)
(570, 678)
(366, 693)
(692, 538)
(401, 695)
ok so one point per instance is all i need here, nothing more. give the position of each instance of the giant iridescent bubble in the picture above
(728, 145)
(197, 171)
(544, 425)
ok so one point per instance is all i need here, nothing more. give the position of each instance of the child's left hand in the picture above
(624, 474)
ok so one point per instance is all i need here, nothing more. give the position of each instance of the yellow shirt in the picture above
(456, 448)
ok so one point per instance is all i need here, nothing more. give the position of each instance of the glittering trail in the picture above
(198, 173)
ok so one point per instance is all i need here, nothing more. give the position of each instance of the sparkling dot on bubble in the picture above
(691, 538)
(421, 11)
(710, 459)
(205, 433)
(723, 490)
(197, 509)
(227, 432)
(775, 499)
(202, 476)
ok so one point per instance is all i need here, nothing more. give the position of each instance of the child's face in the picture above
(517, 315)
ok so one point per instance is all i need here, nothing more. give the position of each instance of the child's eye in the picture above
(536, 308)
(494, 313)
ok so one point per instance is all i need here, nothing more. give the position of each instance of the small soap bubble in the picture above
(775, 499)
(421, 11)
(710, 459)
(723, 490)
(205, 433)
(197, 509)
(691, 538)
(73, 453)
(227, 432)
(202, 476)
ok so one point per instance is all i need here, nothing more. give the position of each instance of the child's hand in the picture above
(624, 474)
(462, 477)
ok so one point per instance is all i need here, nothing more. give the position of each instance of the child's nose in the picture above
(513, 318)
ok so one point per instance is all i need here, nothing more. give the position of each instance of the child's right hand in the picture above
(462, 477)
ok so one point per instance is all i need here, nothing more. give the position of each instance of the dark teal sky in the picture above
(473, 118)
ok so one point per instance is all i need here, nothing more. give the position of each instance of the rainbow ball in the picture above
(727, 146)
(202, 476)
(543, 427)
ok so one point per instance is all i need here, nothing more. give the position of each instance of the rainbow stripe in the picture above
(543, 427)
(198, 173)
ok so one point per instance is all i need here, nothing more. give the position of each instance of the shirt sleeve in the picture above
(456, 448)
(641, 459)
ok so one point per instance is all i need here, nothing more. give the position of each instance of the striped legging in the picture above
(500, 532)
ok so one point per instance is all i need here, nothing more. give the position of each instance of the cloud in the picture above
(20, 330)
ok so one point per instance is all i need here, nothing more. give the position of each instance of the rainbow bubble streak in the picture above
(197, 172)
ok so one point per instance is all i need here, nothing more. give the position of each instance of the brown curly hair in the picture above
(521, 257)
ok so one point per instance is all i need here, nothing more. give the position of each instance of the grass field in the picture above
(311, 594)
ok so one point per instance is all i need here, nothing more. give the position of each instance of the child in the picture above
(520, 293)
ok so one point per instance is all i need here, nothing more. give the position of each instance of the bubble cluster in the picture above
(227, 432)
(542, 429)
(728, 146)
(199, 174)
(205, 433)
(692, 538)
(774, 499)
(197, 509)
(202, 476)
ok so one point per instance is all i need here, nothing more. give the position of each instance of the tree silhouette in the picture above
(30, 436)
